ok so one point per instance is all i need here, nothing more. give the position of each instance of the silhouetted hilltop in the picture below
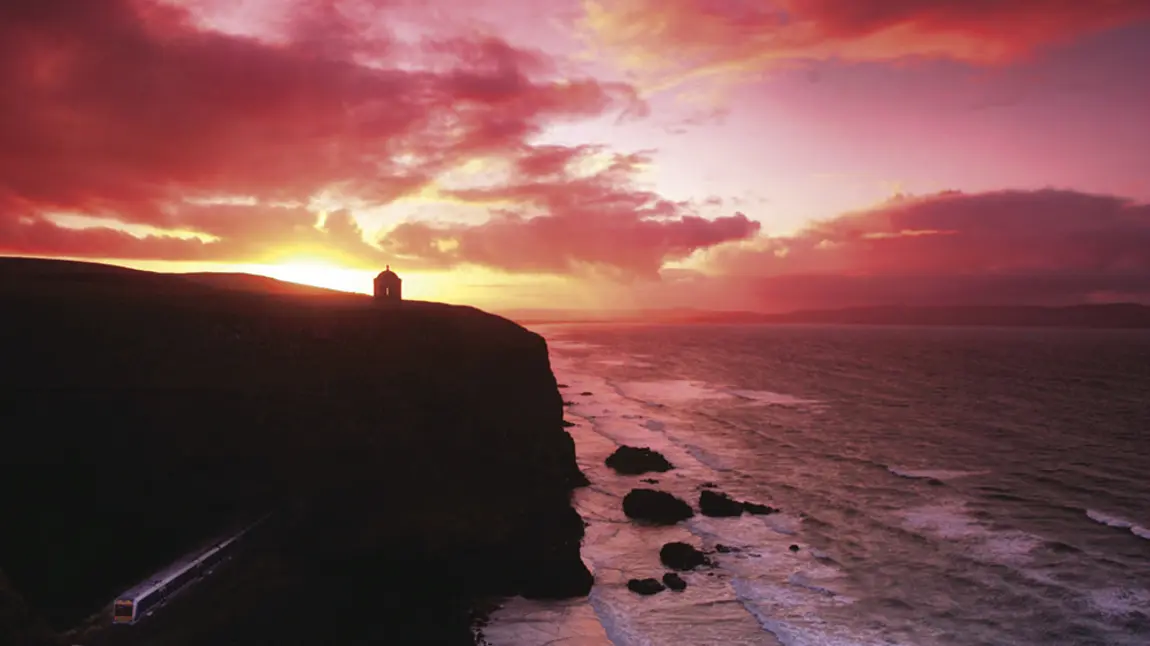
(414, 455)
(259, 284)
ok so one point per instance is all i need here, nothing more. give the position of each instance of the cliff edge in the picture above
(413, 457)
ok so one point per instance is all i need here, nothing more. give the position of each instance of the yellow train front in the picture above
(124, 611)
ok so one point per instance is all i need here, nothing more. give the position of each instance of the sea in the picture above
(943, 486)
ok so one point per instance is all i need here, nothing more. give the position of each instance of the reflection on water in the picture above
(944, 486)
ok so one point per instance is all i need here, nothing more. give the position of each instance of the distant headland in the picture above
(1100, 316)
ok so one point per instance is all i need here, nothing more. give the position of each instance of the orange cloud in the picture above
(570, 223)
(229, 232)
(134, 113)
(673, 41)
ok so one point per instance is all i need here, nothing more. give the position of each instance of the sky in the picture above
(764, 155)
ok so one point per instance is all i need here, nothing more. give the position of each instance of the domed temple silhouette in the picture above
(388, 286)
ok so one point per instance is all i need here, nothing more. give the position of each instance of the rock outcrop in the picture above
(719, 505)
(655, 507)
(759, 509)
(633, 461)
(674, 582)
(681, 556)
(645, 587)
(414, 454)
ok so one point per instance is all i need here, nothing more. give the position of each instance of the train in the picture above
(137, 603)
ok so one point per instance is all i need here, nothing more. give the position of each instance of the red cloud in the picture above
(242, 232)
(127, 109)
(570, 223)
(1045, 246)
(1008, 26)
(703, 35)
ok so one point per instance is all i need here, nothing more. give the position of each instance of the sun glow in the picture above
(319, 274)
(448, 287)
(475, 286)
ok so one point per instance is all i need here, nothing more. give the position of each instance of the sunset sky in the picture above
(733, 154)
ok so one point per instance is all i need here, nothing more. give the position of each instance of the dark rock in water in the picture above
(564, 386)
(645, 587)
(650, 480)
(794, 548)
(567, 424)
(681, 556)
(717, 504)
(674, 582)
(567, 403)
(655, 507)
(586, 393)
(935, 482)
(759, 510)
(725, 549)
(709, 485)
(633, 461)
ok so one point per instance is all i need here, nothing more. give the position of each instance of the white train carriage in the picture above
(138, 602)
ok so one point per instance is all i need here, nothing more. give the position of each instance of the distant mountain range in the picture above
(1111, 315)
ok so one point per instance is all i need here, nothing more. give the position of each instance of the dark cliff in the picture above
(414, 456)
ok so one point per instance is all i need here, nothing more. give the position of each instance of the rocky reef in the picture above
(413, 457)
(631, 460)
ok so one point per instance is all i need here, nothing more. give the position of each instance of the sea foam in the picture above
(932, 474)
(1118, 523)
(678, 391)
(951, 521)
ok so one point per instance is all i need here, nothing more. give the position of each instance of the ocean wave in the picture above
(792, 614)
(707, 458)
(560, 344)
(932, 474)
(616, 622)
(810, 580)
(772, 398)
(670, 392)
(1118, 523)
(950, 520)
(624, 363)
(1119, 601)
(522, 621)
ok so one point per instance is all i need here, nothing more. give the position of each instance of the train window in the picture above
(123, 609)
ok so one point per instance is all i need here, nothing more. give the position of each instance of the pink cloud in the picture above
(126, 110)
(951, 248)
(694, 36)
(571, 224)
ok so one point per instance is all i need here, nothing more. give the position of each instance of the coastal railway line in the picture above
(155, 593)
(148, 596)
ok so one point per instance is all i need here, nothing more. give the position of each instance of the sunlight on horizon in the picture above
(472, 286)
(318, 274)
